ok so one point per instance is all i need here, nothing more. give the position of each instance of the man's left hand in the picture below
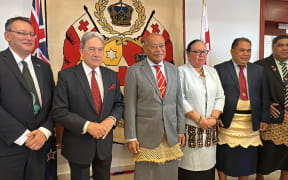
(36, 139)
(263, 126)
(181, 140)
(108, 124)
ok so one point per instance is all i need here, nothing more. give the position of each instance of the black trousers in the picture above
(29, 165)
(100, 169)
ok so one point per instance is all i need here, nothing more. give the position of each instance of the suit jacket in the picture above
(258, 92)
(16, 102)
(275, 84)
(147, 115)
(73, 105)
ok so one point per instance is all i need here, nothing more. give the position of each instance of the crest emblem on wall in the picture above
(124, 25)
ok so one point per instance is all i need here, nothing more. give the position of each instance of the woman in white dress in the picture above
(203, 101)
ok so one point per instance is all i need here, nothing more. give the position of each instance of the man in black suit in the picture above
(274, 154)
(88, 103)
(26, 91)
(246, 111)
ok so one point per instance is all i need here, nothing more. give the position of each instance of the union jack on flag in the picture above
(40, 49)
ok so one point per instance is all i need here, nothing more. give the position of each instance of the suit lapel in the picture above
(106, 83)
(275, 71)
(13, 66)
(233, 74)
(39, 76)
(150, 76)
(80, 74)
(168, 74)
(249, 79)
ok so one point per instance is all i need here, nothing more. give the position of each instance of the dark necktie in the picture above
(285, 81)
(30, 84)
(161, 80)
(242, 82)
(96, 94)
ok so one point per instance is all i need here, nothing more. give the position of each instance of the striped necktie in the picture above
(161, 81)
(285, 82)
(30, 83)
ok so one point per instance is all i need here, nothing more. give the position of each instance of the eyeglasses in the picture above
(24, 34)
(199, 53)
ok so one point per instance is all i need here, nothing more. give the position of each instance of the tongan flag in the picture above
(40, 49)
(205, 35)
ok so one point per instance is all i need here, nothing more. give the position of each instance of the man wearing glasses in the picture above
(246, 112)
(26, 86)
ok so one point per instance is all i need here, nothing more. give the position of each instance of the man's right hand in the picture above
(274, 111)
(133, 147)
(96, 130)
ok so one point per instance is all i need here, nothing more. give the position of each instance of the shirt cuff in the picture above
(85, 127)
(115, 120)
(46, 132)
(21, 140)
(134, 139)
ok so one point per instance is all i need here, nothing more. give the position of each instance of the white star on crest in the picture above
(111, 54)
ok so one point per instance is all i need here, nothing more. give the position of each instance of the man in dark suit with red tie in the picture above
(26, 91)
(246, 112)
(88, 103)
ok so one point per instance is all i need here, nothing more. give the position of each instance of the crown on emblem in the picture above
(120, 13)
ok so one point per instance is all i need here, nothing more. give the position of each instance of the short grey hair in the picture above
(89, 35)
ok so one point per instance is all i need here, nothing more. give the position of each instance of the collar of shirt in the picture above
(161, 64)
(19, 59)
(236, 66)
(88, 73)
(88, 70)
(195, 72)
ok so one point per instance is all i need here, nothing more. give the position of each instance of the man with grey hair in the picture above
(89, 104)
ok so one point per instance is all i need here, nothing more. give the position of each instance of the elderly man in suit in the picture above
(26, 91)
(88, 103)
(246, 111)
(274, 153)
(154, 122)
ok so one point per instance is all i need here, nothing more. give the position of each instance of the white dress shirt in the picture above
(21, 140)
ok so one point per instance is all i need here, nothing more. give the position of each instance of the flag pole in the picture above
(46, 30)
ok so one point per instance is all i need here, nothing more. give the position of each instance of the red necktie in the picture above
(161, 81)
(96, 94)
(242, 82)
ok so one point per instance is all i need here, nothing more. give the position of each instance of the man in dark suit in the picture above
(26, 86)
(246, 111)
(274, 153)
(88, 103)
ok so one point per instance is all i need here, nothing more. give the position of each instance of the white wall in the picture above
(228, 19)
(12, 8)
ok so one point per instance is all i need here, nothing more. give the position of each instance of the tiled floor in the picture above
(273, 176)
(123, 163)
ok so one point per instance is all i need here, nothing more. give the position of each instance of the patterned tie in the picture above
(242, 82)
(285, 82)
(96, 94)
(161, 81)
(30, 83)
